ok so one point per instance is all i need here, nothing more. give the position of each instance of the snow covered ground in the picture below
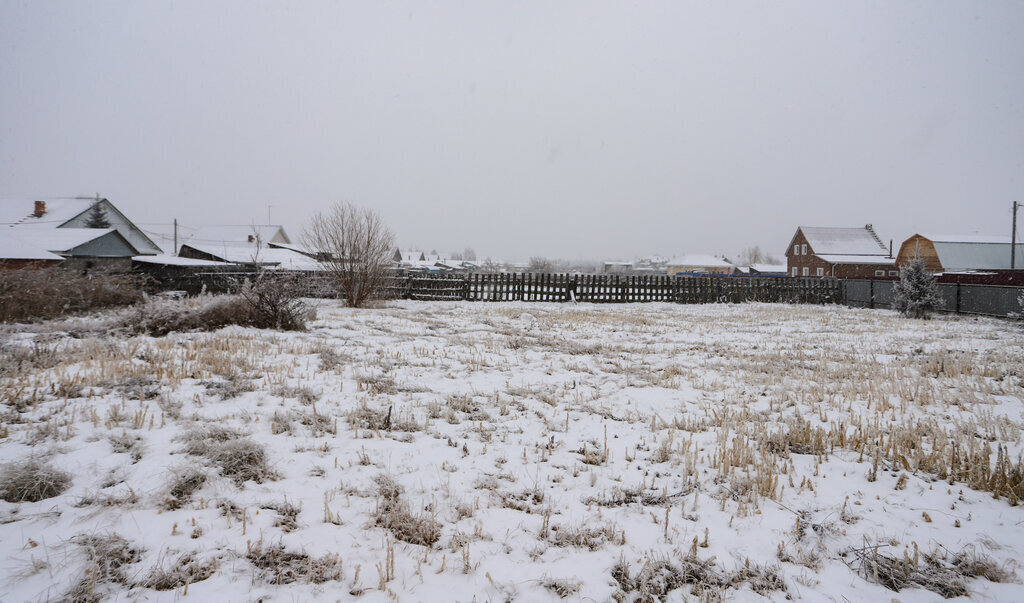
(458, 451)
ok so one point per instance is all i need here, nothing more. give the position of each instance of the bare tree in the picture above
(355, 246)
(749, 256)
(469, 254)
(541, 264)
(490, 266)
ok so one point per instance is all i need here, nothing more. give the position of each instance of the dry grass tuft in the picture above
(106, 561)
(562, 587)
(238, 458)
(931, 572)
(279, 566)
(32, 480)
(394, 515)
(185, 481)
(185, 570)
(287, 515)
(591, 538)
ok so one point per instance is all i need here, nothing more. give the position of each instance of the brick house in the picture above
(838, 252)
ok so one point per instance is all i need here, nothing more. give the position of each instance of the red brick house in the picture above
(838, 252)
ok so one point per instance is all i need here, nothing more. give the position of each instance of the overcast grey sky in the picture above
(564, 129)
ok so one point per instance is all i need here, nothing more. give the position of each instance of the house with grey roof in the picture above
(84, 232)
(816, 251)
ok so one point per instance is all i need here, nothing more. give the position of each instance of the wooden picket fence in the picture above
(604, 288)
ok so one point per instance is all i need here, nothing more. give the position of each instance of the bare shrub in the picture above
(279, 566)
(32, 480)
(38, 294)
(184, 570)
(355, 248)
(275, 299)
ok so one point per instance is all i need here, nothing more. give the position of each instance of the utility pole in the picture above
(1013, 238)
(175, 237)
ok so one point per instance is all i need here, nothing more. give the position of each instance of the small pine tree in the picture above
(916, 294)
(97, 217)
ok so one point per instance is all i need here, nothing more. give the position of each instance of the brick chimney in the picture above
(40, 209)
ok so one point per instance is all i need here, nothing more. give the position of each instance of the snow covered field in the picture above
(458, 451)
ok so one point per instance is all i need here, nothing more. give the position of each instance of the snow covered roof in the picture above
(174, 260)
(410, 255)
(19, 212)
(843, 241)
(880, 260)
(163, 234)
(1003, 239)
(975, 252)
(700, 260)
(243, 253)
(769, 267)
(13, 247)
(61, 240)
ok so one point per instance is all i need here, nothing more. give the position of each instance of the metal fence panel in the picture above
(989, 299)
(857, 293)
(884, 293)
(948, 293)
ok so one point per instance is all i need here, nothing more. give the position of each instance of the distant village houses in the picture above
(699, 265)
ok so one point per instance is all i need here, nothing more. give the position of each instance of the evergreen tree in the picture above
(916, 294)
(97, 217)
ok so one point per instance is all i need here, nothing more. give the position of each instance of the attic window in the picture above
(804, 250)
(796, 250)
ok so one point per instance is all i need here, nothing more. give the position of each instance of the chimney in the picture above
(40, 209)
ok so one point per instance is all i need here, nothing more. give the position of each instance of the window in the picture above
(796, 251)
(894, 273)
(821, 272)
(795, 270)
(879, 272)
(804, 250)
(805, 270)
